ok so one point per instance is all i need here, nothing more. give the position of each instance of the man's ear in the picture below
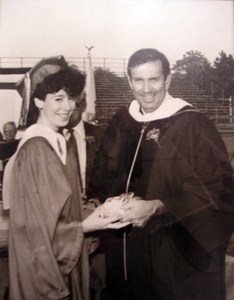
(168, 81)
(130, 81)
(39, 103)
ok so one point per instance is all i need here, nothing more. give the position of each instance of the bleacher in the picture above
(113, 92)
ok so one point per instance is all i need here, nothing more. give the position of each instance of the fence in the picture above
(119, 67)
(116, 65)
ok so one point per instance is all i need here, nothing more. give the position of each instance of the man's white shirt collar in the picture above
(80, 129)
(79, 133)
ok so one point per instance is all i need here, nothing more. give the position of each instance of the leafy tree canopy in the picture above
(100, 70)
(193, 63)
(223, 72)
(197, 67)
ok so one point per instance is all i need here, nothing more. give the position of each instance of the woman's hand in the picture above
(95, 222)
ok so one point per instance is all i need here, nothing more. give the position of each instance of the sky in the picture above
(116, 29)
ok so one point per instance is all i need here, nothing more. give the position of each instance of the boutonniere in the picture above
(90, 139)
(153, 135)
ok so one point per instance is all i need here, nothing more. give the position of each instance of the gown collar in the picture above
(55, 139)
(168, 108)
(57, 142)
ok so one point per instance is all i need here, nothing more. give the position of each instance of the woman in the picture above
(47, 258)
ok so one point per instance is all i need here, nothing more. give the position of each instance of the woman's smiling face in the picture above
(56, 110)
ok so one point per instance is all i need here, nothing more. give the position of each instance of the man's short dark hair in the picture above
(9, 123)
(148, 55)
(70, 79)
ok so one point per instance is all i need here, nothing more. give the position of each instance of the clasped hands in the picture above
(138, 211)
(118, 212)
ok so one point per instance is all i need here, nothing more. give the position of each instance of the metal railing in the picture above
(117, 65)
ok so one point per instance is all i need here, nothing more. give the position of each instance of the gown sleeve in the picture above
(45, 238)
(197, 186)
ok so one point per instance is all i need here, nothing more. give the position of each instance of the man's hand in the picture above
(137, 212)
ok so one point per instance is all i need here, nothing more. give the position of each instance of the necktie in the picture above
(72, 148)
(59, 147)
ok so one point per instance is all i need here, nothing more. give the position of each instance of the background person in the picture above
(9, 130)
(8, 145)
(47, 252)
(88, 137)
(173, 157)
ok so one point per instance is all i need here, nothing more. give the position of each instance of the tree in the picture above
(223, 72)
(103, 71)
(194, 65)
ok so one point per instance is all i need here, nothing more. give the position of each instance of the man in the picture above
(88, 138)
(171, 156)
(8, 145)
(9, 130)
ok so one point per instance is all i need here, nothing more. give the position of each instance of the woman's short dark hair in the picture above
(148, 55)
(70, 79)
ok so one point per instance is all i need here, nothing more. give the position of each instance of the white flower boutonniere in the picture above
(153, 135)
(90, 139)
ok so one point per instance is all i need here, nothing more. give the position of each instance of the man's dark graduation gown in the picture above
(178, 254)
(93, 134)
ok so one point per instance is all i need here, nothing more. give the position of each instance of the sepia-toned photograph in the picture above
(116, 150)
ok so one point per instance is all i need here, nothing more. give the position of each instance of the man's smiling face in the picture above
(149, 85)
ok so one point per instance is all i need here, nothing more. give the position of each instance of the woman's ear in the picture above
(39, 103)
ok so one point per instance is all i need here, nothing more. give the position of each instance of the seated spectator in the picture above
(9, 130)
(8, 145)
